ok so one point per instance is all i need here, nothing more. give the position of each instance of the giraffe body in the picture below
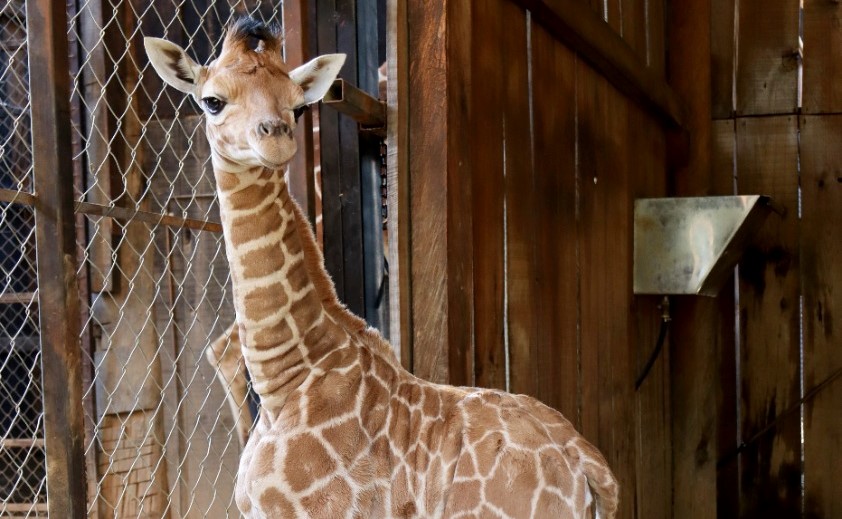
(344, 430)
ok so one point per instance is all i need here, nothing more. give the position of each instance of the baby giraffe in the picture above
(344, 430)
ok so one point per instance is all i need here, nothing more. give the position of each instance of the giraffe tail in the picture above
(605, 489)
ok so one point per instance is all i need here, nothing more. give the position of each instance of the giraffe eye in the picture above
(213, 105)
(298, 112)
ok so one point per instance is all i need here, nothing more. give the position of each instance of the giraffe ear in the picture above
(316, 76)
(172, 64)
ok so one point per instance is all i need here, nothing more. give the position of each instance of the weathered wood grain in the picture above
(821, 274)
(440, 205)
(397, 144)
(723, 47)
(767, 57)
(822, 56)
(723, 164)
(767, 163)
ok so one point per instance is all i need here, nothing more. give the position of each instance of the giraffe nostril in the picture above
(265, 129)
(274, 128)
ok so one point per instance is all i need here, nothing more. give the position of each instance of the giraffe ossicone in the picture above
(344, 430)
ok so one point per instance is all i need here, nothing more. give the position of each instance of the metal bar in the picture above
(17, 197)
(18, 508)
(17, 297)
(55, 239)
(117, 213)
(586, 33)
(359, 105)
(21, 443)
(136, 215)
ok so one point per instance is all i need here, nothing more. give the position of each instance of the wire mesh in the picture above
(22, 458)
(161, 439)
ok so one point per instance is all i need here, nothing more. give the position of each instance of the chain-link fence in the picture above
(22, 470)
(160, 440)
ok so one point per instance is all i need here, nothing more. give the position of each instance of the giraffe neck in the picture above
(283, 297)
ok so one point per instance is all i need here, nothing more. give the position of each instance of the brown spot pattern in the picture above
(309, 462)
(262, 262)
(332, 500)
(274, 504)
(260, 303)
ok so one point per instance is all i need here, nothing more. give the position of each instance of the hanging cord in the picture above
(771, 426)
(662, 336)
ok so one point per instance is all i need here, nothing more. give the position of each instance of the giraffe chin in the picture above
(275, 156)
(271, 165)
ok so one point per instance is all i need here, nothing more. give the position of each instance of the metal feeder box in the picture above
(691, 245)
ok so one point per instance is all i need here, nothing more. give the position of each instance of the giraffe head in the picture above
(250, 99)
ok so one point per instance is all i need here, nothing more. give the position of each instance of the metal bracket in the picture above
(691, 245)
(369, 112)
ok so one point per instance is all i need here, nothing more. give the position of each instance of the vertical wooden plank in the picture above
(428, 203)
(521, 216)
(696, 329)
(58, 293)
(330, 156)
(767, 61)
(652, 401)
(634, 26)
(767, 162)
(723, 163)
(459, 226)
(297, 52)
(605, 244)
(823, 59)
(656, 49)
(487, 157)
(440, 206)
(821, 248)
(397, 146)
(103, 175)
(612, 11)
(722, 56)
(344, 22)
(375, 298)
(553, 375)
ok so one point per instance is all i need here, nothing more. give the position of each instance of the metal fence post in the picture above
(56, 257)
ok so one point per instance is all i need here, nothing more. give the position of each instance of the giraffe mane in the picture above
(254, 34)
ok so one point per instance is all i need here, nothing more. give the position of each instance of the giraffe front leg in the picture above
(226, 356)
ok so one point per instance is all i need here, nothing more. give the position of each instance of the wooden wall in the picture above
(515, 162)
(776, 129)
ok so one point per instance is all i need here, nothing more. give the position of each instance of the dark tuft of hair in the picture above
(253, 31)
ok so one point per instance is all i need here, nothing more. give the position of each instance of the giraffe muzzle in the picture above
(274, 129)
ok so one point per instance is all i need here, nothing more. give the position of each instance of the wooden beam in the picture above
(580, 28)
(55, 238)
(297, 40)
(699, 330)
(397, 149)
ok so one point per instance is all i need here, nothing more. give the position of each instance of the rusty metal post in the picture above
(64, 431)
